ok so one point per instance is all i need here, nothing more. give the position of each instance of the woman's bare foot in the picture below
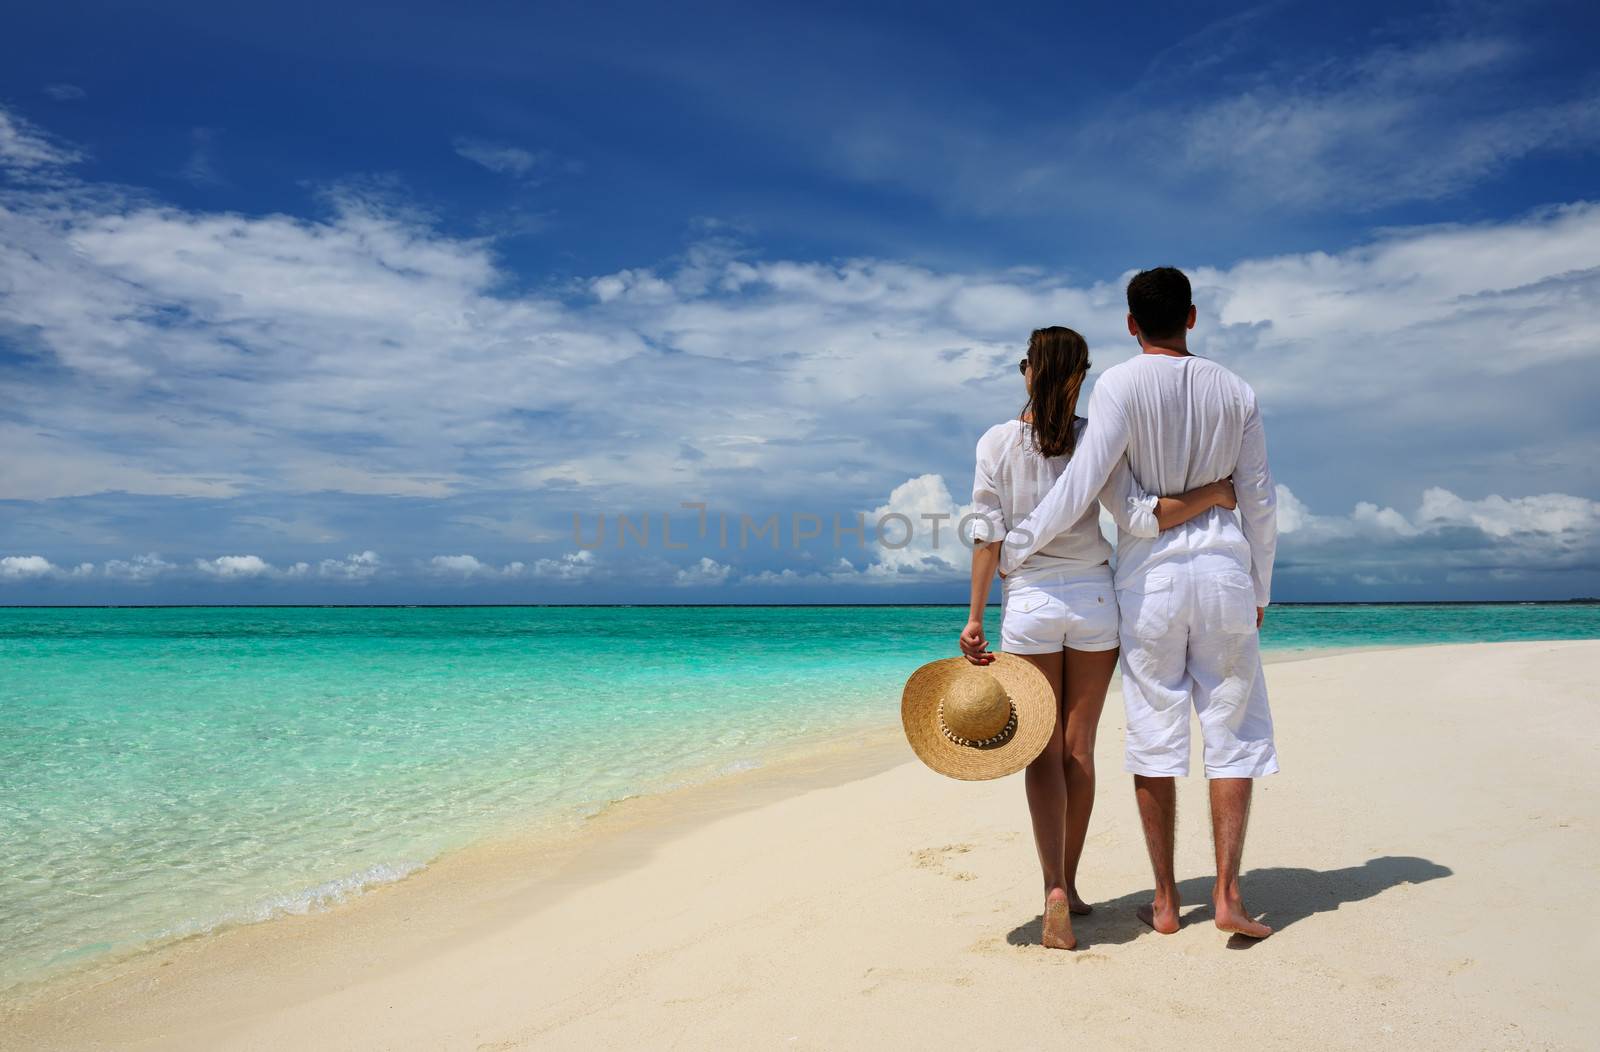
(1058, 921)
(1232, 917)
(1076, 904)
(1161, 914)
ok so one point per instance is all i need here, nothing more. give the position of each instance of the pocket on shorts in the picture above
(1091, 614)
(1033, 621)
(1146, 607)
(1236, 602)
(1026, 600)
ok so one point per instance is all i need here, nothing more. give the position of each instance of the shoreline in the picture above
(463, 899)
(526, 859)
(532, 840)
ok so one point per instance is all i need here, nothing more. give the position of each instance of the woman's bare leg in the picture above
(1085, 677)
(1046, 784)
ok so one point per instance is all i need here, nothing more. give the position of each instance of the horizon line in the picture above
(1574, 601)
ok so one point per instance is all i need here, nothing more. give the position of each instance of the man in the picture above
(1192, 598)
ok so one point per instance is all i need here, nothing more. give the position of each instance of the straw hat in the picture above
(978, 721)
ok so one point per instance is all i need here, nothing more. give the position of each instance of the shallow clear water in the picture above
(163, 771)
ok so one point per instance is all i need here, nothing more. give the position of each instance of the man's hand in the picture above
(974, 646)
(1261, 617)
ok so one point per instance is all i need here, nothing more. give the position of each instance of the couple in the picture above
(1189, 595)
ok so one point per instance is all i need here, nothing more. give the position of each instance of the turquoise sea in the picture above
(164, 771)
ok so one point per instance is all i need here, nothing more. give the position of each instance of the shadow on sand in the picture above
(1280, 896)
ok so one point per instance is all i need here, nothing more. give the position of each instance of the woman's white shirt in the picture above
(1012, 477)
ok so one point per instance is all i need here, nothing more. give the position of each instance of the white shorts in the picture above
(1189, 640)
(1049, 610)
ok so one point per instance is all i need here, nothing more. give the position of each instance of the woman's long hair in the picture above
(1058, 358)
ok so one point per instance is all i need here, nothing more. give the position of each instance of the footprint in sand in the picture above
(879, 977)
(936, 857)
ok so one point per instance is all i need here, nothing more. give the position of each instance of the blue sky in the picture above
(365, 304)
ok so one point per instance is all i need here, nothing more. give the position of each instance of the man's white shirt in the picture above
(1012, 477)
(1180, 422)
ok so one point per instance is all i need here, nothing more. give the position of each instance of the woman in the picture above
(1060, 610)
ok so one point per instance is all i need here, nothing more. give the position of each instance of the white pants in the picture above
(1189, 639)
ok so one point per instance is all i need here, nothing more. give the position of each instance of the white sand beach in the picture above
(1426, 856)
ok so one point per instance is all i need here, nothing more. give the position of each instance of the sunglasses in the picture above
(1022, 366)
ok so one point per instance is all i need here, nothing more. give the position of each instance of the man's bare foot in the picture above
(1058, 922)
(1162, 915)
(1076, 904)
(1232, 917)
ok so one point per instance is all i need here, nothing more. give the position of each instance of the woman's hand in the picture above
(974, 646)
(1224, 494)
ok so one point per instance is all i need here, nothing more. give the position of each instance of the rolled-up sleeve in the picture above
(1258, 503)
(988, 520)
(1131, 508)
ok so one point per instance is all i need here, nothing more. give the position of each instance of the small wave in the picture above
(309, 900)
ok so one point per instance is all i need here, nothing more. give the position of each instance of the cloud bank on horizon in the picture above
(362, 399)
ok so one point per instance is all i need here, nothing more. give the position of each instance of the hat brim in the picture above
(1028, 690)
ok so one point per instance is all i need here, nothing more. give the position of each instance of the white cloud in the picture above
(1327, 131)
(272, 341)
(638, 286)
(65, 92)
(25, 149)
(500, 158)
(706, 571)
(368, 353)
(1365, 520)
(913, 535)
(139, 568)
(144, 568)
(1548, 513)
(1349, 132)
(1447, 538)
(910, 538)
(36, 567)
(1447, 535)
(574, 566)
(365, 352)
(201, 169)
(841, 572)
(233, 567)
(469, 566)
(1445, 317)
(358, 567)
(23, 567)
(464, 565)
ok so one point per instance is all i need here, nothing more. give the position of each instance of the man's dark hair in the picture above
(1159, 301)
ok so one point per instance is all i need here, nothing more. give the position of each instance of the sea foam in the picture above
(318, 897)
